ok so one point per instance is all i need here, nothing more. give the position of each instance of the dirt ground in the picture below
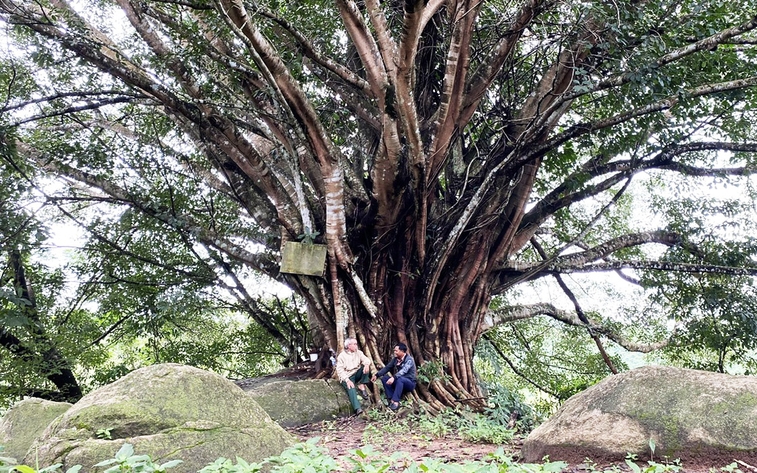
(343, 436)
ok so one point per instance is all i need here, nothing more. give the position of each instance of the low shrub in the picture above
(305, 457)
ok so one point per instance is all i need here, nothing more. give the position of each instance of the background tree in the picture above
(445, 151)
(26, 341)
(714, 314)
(65, 329)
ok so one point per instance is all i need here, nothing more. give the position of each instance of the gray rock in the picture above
(24, 422)
(688, 414)
(293, 403)
(166, 411)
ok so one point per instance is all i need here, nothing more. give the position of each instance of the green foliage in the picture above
(368, 460)
(734, 467)
(714, 315)
(307, 457)
(481, 429)
(125, 461)
(432, 371)
(470, 426)
(10, 465)
(130, 297)
(304, 458)
(104, 434)
(224, 465)
(555, 360)
(439, 425)
(505, 406)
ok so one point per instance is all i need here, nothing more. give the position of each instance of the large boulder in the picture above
(24, 422)
(688, 414)
(166, 411)
(293, 403)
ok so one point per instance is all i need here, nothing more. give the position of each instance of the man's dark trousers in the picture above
(395, 390)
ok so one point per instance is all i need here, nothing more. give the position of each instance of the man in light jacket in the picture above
(353, 368)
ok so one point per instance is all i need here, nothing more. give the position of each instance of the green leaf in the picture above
(170, 464)
(24, 469)
(633, 466)
(126, 451)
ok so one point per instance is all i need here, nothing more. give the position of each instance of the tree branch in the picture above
(661, 266)
(310, 52)
(515, 369)
(366, 47)
(260, 261)
(706, 44)
(585, 128)
(562, 196)
(499, 317)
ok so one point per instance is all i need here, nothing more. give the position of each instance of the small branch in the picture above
(516, 370)
(110, 330)
(73, 109)
(61, 95)
(579, 311)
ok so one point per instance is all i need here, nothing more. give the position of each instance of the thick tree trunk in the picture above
(441, 334)
(38, 349)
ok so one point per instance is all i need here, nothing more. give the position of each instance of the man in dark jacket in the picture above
(403, 378)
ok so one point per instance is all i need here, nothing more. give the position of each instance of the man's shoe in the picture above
(394, 406)
(364, 394)
(358, 411)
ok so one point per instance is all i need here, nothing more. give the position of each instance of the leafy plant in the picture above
(223, 465)
(653, 467)
(304, 458)
(439, 425)
(10, 465)
(125, 461)
(734, 467)
(367, 460)
(506, 406)
(482, 429)
(433, 371)
(103, 434)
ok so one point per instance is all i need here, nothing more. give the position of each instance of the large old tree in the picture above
(443, 150)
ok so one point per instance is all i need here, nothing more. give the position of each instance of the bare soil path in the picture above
(342, 437)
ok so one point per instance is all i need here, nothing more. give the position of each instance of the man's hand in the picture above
(366, 369)
(349, 384)
(390, 380)
(373, 378)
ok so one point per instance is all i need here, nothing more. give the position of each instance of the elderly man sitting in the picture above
(352, 368)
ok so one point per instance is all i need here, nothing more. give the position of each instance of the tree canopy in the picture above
(444, 151)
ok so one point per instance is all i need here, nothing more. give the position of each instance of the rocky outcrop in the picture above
(25, 421)
(166, 411)
(687, 413)
(298, 402)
